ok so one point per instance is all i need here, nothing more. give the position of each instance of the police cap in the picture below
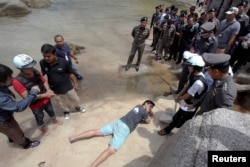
(240, 4)
(245, 3)
(208, 26)
(144, 19)
(212, 10)
(212, 59)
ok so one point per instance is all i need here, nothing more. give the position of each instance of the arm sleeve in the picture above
(18, 87)
(197, 87)
(11, 104)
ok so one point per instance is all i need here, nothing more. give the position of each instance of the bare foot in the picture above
(58, 122)
(71, 140)
(45, 131)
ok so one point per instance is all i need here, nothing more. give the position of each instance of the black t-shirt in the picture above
(58, 75)
(188, 33)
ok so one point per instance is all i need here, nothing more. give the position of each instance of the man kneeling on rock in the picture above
(120, 129)
(193, 90)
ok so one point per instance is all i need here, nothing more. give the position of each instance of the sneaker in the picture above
(66, 115)
(81, 109)
(32, 144)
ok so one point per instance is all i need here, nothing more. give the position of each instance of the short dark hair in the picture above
(48, 48)
(150, 102)
(222, 67)
(197, 68)
(5, 72)
(58, 35)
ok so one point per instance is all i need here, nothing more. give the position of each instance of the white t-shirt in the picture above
(197, 87)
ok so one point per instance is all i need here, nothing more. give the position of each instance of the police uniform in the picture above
(140, 34)
(155, 17)
(166, 39)
(174, 48)
(223, 92)
(208, 45)
(214, 20)
(188, 32)
(243, 19)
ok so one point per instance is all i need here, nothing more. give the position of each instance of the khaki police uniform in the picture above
(140, 34)
(223, 92)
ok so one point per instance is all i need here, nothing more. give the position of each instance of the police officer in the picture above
(242, 18)
(205, 40)
(223, 92)
(155, 17)
(174, 48)
(140, 33)
(212, 17)
(186, 37)
(166, 39)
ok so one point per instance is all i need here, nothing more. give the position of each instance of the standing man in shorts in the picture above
(120, 129)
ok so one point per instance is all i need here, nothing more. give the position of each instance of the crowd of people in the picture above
(209, 50)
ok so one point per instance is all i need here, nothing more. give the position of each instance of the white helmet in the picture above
(188, 54)
(196, 60)
(23, 61)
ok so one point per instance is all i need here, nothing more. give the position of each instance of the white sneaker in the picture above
(81, 109)
(66, 115)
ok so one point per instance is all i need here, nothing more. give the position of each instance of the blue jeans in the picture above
(39, 115)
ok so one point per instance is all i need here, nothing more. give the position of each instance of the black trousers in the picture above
(178, 120)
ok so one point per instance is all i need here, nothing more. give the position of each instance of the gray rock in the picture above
(37, 3)
(219, 129)
(13, 7)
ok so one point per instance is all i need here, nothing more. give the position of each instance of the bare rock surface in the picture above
(13, 7)
(219, 129)
(37, 3)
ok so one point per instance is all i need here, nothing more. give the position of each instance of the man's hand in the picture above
(36, 88)
(76, 87)
(49, 94)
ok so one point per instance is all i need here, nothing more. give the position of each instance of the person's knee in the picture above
(111, 149)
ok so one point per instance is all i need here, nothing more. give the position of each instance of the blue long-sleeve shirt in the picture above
(8, 104)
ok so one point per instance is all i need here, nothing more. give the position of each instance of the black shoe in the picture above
(165, 58)
(11, 141)
(178, 62)
(169, 58)
(137, 68)
(158, 58)
(32, 144)
(79, 77)
(127, 67)
(153, 49)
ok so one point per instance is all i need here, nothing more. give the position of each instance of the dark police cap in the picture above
(212, 10)
(208, 26)
(241, 4)
(212, 59)
(245, 3)
(144, 19)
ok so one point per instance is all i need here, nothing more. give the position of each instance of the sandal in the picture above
(162, 132)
